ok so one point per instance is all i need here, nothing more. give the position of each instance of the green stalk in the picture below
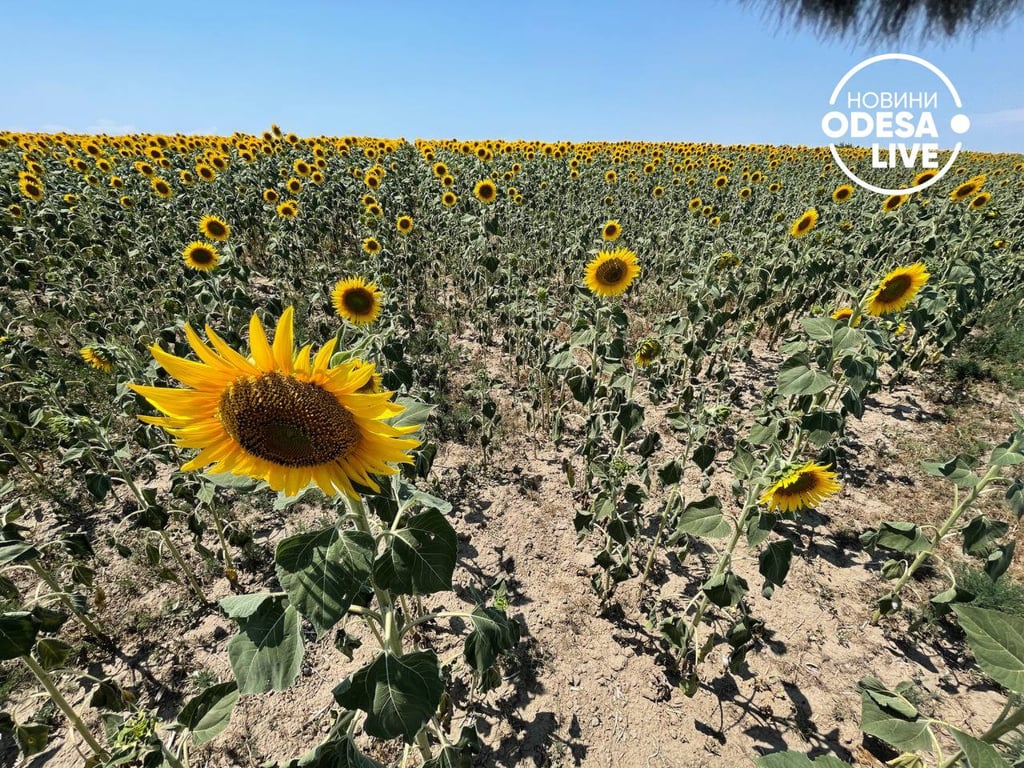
(228, 562)
(24, 464)
(58, 698)
(189, 574)
(664, 518)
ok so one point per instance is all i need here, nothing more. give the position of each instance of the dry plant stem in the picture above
(945, 528)
(24, 464)
(664, 517)
(58, 698)
(176, 554)
(63, 597)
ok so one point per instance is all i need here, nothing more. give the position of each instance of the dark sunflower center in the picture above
(202, 256)
(610, 230)
(611, 272)
(358, 301)
(806, 482)
(288, 422)
(895, 288)
(215, 228)
(804, 224)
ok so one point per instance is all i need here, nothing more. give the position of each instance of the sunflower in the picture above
(845, 313)
(31, 189)
(695, 204)
(924, 177)
(775, 186)
(271, 196)
(372, 180)
(15, 210)
(892, 202)
(293, 185)
(375, 210)
(611, 230)
(801, 489)
(404, 224)
(611, 272)
(356, 300)
(126, 202)
(161, 187)
(279, 416)
(842, 193)
(97, 358)
(897, 289)
(485, 191)
(721, 182)
(805, 223)
(744, 193)
(301, 167)
(658, 191)
(449, 199)
(979, 201)
(610, 176)
(70, 199)
(116, 182)
(371, 245)
(440, 170)
(648, 351)
(200, 256)
(447, 181)
(214, 228)
(968, 189)
(289, 209)
(187, 178)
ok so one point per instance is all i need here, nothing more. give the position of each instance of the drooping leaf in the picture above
(209, 713)
(891, 722)
(52, 652)
(799, 760)
(978, 753)
(997, 641)
(493, 634)
(419, 558)
(17, 634)
(773, 563)
(324, 571)
(802, 380)
(398, 693)
(266, 654)
(704, 518)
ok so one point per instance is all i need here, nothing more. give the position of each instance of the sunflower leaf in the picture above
(799, 760)
(997, 641)
(209, 713)
(901, 537)
(704, 518)
(801, 380)
(889, 717)
(419, 558)
(397, 693)
(17, 634)
(773, 563)
(978, 753)
(324, 571)
(266, 654)
(493, 634)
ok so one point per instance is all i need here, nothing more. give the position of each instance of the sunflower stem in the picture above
(24, 465)
(58, 698)
(184, 566)
(228, 562)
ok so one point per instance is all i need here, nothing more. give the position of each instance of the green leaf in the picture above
(704, 455)
(726, 589)
(980, 534)
(266, 654)
(821, 426)
(398, 693)
(890, 723)
(957, 470)
(670, 473)
(419, 558)
(742, 462)
(415, 414)
(630, 417)
(17, 635)
(1015, 498)
(52, 652)
(978, 753)
(493, 634)
(13, 551)
(901, 537)
(1002, 456)
(228, 480)
(799, 760)
(244, 606)
(704, 518)
(336, 753)
(759, 526)
(845, 337)
(324, 571)
(997, 641)
(818, 328)
(773, 563)
(801, 380)
(209, 713)
(31, 738)
(999, 560)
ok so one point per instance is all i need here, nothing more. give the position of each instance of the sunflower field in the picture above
(346, 451)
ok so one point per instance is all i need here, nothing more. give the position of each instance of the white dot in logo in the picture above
(960, 123)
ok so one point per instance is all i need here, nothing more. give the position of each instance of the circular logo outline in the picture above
(934, 70)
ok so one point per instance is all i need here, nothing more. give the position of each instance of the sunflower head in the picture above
(404, 224)
(897, 289)
(449, 198)
(893, 202)
(980, 200)
(803, 488)
(98, 358)
(842, 193)
(271, 196)
(283, 417)
(288, 209)
(200, 256)
(805, 223)
(214, 228)
(371, 245)
(648, 351)
(356, 300)
(845, 313)
(611, 230)
(485, 191)
(611, 272)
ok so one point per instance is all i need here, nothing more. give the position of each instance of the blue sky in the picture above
(599, 70)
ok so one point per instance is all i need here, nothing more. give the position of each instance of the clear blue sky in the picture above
(596, 70)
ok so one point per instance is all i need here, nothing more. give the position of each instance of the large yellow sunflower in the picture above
(485, 191)
(801, 489)
(805, 223)
(214, 228)
(200, 256)
(356, 300)
(897, 289)
(611, 272)
(284, 417)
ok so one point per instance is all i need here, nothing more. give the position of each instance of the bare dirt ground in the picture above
(591, 687)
